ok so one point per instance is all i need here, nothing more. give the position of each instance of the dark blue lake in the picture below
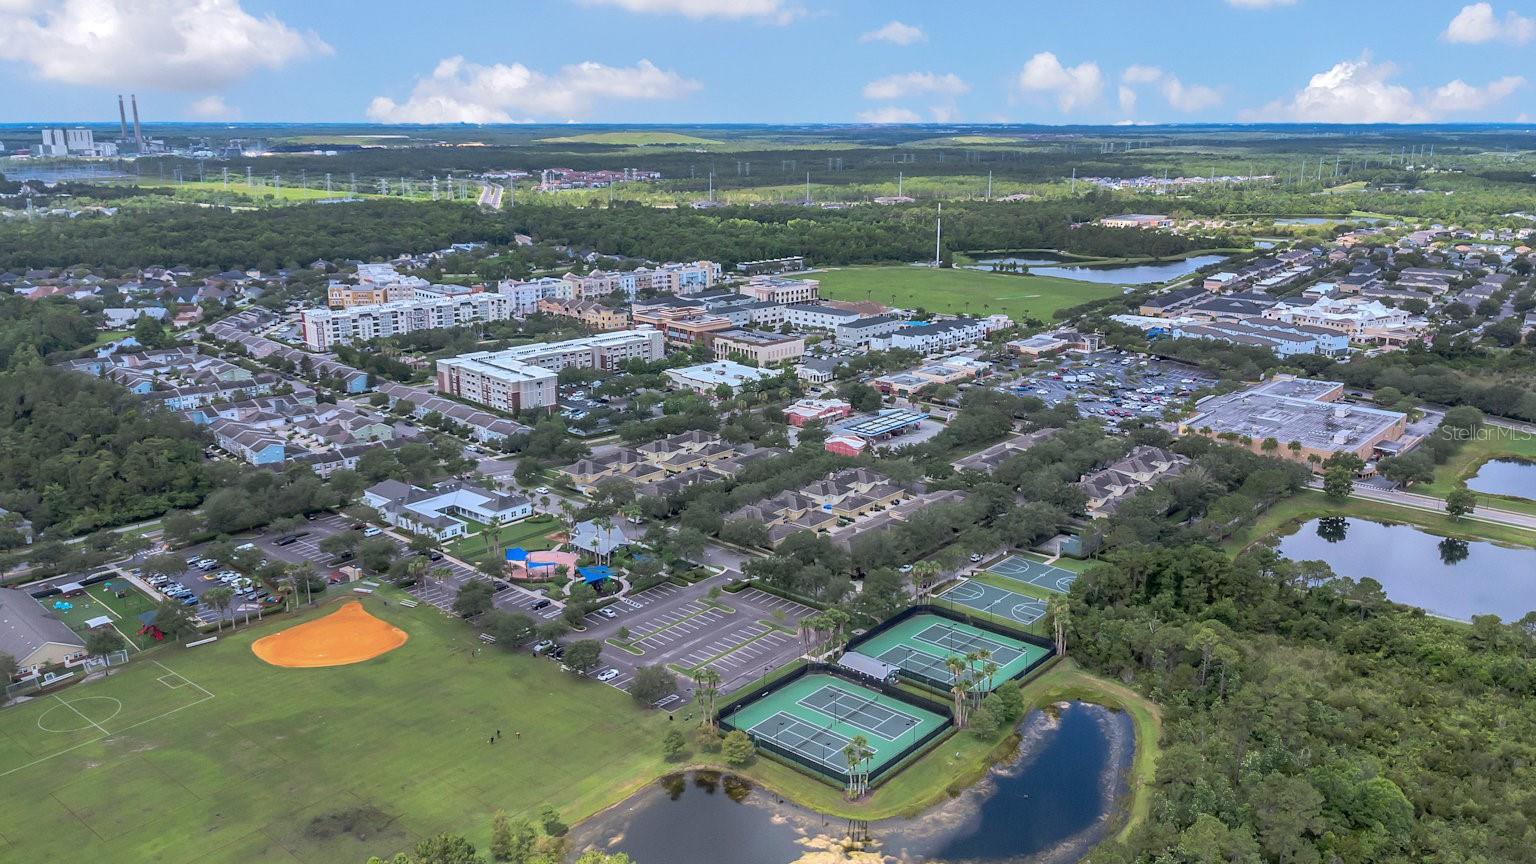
(1052, 803)
(1512, 477)
(1444, 576)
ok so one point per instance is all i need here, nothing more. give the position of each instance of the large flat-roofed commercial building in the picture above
(764, 349)
(326, 328)
(791, 264)
(526, 377)
(706, 378)
(1302, 410)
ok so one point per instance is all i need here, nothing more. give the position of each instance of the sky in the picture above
(770, 61)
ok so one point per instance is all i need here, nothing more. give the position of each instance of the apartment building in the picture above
(376, 284)
(526, 376)
(1360, 320)
(525, 296)
(326, 328)
(814, 317)
(935, 336)
(588, 313)
(781, 290)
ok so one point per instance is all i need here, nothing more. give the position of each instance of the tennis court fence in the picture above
(949, 615)
(837, 777)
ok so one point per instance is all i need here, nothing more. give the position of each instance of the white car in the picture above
(608, 612)
(607, 674)
(542, 490)
(975, 558)
(543, 645)
(372, 531)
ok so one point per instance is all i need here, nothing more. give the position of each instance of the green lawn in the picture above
(260, 770)
(528, 534)
(1496, 442)
(630, 139)
(100, 600)
(959, 291)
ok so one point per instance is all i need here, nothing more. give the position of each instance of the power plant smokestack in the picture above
(138, 132)
(122, 119)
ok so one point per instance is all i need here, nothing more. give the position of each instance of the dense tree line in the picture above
(78, 453)
(1307, 719)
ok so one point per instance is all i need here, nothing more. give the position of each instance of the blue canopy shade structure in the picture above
(596, 573)
(517, 553)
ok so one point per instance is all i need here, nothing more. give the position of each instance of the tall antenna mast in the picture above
(989, 185)
(807, 187)
(901, 178)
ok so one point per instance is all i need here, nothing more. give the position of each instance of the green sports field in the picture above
(959, 291)
(818, 714)
(209, 755)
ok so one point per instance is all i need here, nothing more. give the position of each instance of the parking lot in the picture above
(676, 626)
(1112, 386)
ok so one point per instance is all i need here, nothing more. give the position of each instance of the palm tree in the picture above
(219, 598)
(707, 681)
(493, 533)
(957, 688)
(1061, 619)
(923, 575)
(857, 753)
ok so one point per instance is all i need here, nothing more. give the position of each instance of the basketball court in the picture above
(1036, 573)
(995, 601)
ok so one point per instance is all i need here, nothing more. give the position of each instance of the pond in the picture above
(1119, 274)
(1304, 220)
(1513, 477)
(1049, 804)
(1444, 576)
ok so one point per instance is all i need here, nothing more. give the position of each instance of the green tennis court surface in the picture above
(1036, 573)
(816, 716)
(921, 644)
(995, 601)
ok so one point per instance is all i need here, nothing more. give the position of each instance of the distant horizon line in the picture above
(831, 124)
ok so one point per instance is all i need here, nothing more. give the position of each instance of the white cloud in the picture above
(1189, 98)
(462, 92)
(895, 33)
(889, 114)
(213, 107)
(175, 44)
(914, 83)
(1186, 98)
(1458, 95)
(943, 113)
(1476, 23)
(1359, 91)
(776, 11)
(1074, 87)
(1260, 4)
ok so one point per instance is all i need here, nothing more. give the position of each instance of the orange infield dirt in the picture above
(348, 635)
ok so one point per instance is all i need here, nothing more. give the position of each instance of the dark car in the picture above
(434, 556)
(541, 604)
(287, 540)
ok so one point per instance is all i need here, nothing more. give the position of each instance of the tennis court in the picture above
(995, 601)
(816, 716)
(921, 644)
(1036, 573)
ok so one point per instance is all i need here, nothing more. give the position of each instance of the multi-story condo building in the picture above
(526, 376)
(682, 325)
(589, 313)
(525, 296)
(781, 290)
(326, 328)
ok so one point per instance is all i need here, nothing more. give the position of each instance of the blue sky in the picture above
(771, 61)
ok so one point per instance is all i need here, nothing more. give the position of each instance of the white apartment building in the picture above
(778, 289)
(935, 336)
(525, 296)
(325, 328)
(1360, 320)
(818, 317)
(527, 376)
